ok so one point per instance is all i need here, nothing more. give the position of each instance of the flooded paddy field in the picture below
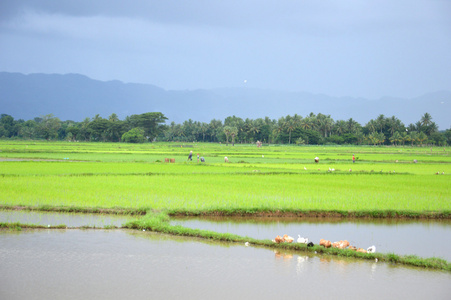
(424, 238)
(68, 219)
(125, 264)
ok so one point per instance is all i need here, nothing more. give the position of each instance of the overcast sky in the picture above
(355, 48)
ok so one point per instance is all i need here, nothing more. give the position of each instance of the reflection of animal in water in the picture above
(284, 256)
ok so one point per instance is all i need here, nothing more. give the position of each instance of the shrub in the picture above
(135, 135)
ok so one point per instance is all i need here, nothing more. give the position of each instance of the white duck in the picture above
(302, 240)
(371, 249)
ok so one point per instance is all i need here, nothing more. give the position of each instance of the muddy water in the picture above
(412, 237)
(69, 219)
(122, 264)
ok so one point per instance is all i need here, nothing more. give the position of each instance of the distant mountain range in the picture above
(75, 97)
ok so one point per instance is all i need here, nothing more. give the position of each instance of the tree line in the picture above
(313, 129)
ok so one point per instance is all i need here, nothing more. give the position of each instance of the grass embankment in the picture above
(19, 226)
(160, 223)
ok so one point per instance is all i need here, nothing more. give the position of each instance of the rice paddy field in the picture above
(412, 180)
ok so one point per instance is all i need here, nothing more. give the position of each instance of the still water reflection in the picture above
(122, 264)
(425, 238)
(69, 219)
(405, 237)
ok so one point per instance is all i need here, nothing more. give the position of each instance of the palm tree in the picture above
(352, 125)
(290, 125)
(340, 127)
(279, 126)
(203, 130)
(419, 126)
(394, 124)
(396, 137)
(215, 127)
(371, 126)
(255, 128)
(405, 137)
(233, 133)
(373, 138)
(431, 128)
(380, 121)
(360, 137)
(305, 123)
(178, 132)
(325, 123)
(380, 138)
(113, 118)
(426, 119)
(413, 136)
(422, 137)
(227, 130)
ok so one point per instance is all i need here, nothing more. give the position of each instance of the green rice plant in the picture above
(284, 178)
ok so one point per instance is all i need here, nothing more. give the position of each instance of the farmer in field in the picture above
(353, 158)
(197, 157)
(190, 156)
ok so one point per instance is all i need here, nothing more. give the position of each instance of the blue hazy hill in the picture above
(75, 97)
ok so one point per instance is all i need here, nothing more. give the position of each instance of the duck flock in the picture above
(325, 243)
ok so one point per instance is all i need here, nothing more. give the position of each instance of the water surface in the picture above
(123, 264)
(425, 238)
(68, 219)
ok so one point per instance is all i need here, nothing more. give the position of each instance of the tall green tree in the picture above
(48, 127)
(290, 125)
(426, 119)
(227, 131)
(97, 128)
(233, 134)
(151, 122)
(395, 138)
(8, 126)
(380, 122)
